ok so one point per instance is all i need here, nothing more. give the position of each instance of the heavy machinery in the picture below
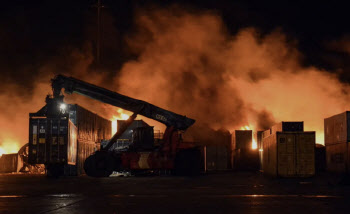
(172, 154)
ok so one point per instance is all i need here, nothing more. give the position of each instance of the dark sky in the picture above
(33, 32)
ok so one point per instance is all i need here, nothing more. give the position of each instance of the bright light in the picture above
(63, 106)
(120, 116)
(8, 147)
(254, 144)
(245, 128)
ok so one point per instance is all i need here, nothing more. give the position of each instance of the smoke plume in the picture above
(187, 62)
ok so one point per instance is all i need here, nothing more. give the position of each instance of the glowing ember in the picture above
(121, 116)
(8, 146)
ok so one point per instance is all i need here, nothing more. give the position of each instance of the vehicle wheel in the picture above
(100, 164)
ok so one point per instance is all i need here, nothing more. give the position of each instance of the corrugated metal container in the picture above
(337, 157)
(285, 126)
(67, 139)
(244, 157)
(52, 140)
(288, 127)
(136, 131)
(337, 138)
(289, 154)
(337, 129)
(9, 163)
(217, 158)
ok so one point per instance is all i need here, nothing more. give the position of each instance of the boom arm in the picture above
(72, 85)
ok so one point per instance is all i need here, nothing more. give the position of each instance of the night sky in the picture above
(34, 32)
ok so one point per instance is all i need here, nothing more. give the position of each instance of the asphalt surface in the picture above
(227, 192)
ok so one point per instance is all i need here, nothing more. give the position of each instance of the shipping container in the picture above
(66, 140)
(244, 157)
(289, 154)
(337, 157)
(337, 129)
(337, 138)
(217, 158)
(136, 131)
(285, 126)
(10, 163)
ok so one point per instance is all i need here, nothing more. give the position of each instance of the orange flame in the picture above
(120, 116)
(8, 146)
(254, 143)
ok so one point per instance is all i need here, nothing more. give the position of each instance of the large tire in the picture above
(100, 164)
(187, 162)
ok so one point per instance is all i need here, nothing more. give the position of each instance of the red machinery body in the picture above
(164, 158)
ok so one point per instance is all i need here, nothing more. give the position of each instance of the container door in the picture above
(37, 140)
(57, 140)
(305, 154)
(72, 144)
(286, 155)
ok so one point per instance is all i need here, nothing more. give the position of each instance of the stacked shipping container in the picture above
(337, 138)
(288, 151)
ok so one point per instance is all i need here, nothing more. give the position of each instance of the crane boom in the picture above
(72, 85)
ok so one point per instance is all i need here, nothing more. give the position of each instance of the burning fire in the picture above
(8, 146)
(254, 143)
(121, 116)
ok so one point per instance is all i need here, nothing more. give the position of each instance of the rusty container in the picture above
(289, 154)
(67, 139)
(9, 163)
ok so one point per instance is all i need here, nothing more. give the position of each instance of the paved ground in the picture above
(214, 193)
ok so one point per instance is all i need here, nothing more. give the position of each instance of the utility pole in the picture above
(98, 42)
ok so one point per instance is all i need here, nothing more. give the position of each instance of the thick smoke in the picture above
(189, 64)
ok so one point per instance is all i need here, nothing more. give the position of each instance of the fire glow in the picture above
(120, 116)
(254, 143)
(8, 147)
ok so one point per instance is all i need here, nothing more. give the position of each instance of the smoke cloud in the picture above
(188, 63)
